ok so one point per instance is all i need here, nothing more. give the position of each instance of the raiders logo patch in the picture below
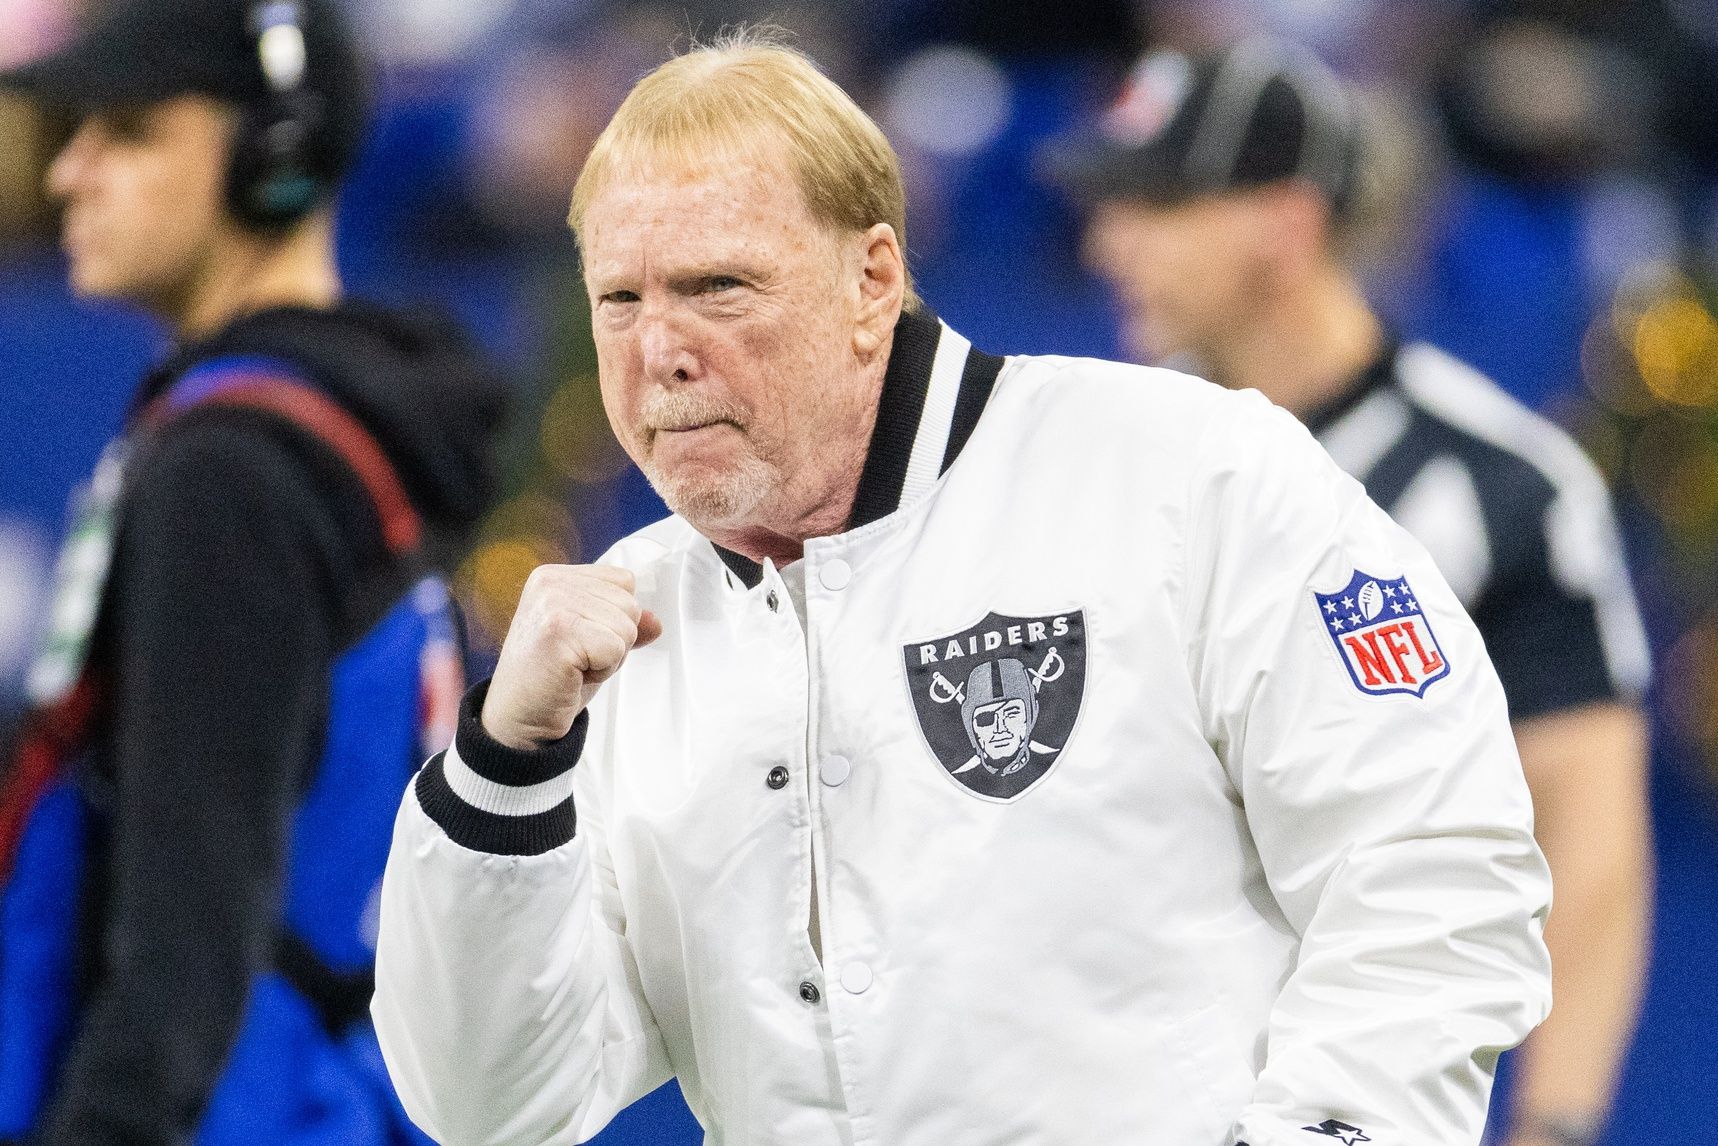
(997, 702)
(1382, 635)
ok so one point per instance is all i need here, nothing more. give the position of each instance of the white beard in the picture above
(704, 495)
(709, 498)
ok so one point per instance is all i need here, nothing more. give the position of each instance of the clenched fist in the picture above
(574, 626)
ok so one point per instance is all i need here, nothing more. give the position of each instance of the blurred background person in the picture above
(1226, 191)
(245, 657)
(1583, 288)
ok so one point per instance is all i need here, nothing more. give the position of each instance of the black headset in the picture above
(272, 179)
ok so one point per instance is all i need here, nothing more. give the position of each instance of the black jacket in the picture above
(248, 556)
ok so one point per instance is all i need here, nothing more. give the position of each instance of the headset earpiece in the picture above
(271, 182)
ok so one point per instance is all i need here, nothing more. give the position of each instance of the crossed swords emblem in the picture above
(945, 691)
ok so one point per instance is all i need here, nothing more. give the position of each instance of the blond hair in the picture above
(749, 96)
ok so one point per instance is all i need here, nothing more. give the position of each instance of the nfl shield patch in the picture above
(1382, 635)
(997, 702)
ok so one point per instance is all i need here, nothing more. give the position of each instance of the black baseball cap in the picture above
(1256, 113)
(144, 51)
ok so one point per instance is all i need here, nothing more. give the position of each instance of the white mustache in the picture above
(686, 410)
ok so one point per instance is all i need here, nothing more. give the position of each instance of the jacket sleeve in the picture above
(507, 999)
(1393, 828)
(222, 632)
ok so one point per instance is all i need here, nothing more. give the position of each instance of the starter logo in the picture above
(1346, 1134)
(1383, 636)
(997, 702)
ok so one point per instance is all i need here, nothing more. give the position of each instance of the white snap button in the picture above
(834, 770)
(836, 575)
(856, 978)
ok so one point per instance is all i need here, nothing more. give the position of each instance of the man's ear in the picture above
(882, 289)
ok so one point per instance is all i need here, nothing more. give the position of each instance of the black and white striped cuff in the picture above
(504, 801)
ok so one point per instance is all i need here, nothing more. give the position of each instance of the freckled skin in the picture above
(740, 345)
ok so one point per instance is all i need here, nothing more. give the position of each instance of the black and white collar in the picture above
(935, 388)
(1378, 374)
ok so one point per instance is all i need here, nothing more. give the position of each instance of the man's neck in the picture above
(758, 544)
(246, 273)
(1306, 350)
(781, 536)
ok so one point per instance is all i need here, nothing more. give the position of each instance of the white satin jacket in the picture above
(1122, 776)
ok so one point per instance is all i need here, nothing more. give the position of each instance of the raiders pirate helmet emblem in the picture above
(997, 702)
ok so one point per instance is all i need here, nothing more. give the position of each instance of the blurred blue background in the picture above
(1555, 222)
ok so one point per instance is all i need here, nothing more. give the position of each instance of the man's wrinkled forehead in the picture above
(715, 206)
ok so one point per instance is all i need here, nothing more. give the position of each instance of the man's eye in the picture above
(129, 125)
(618, 296)
(716, 283)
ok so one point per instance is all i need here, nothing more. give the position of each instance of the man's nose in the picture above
(668, 356)
(73, 162)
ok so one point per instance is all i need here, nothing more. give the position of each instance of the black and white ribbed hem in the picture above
(504, 801)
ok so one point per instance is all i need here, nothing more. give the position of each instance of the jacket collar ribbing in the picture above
(934, 390)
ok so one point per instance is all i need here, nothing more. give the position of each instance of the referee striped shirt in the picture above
(1514, 514)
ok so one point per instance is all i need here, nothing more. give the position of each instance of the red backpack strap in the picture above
(46, 739)
(328, 422)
